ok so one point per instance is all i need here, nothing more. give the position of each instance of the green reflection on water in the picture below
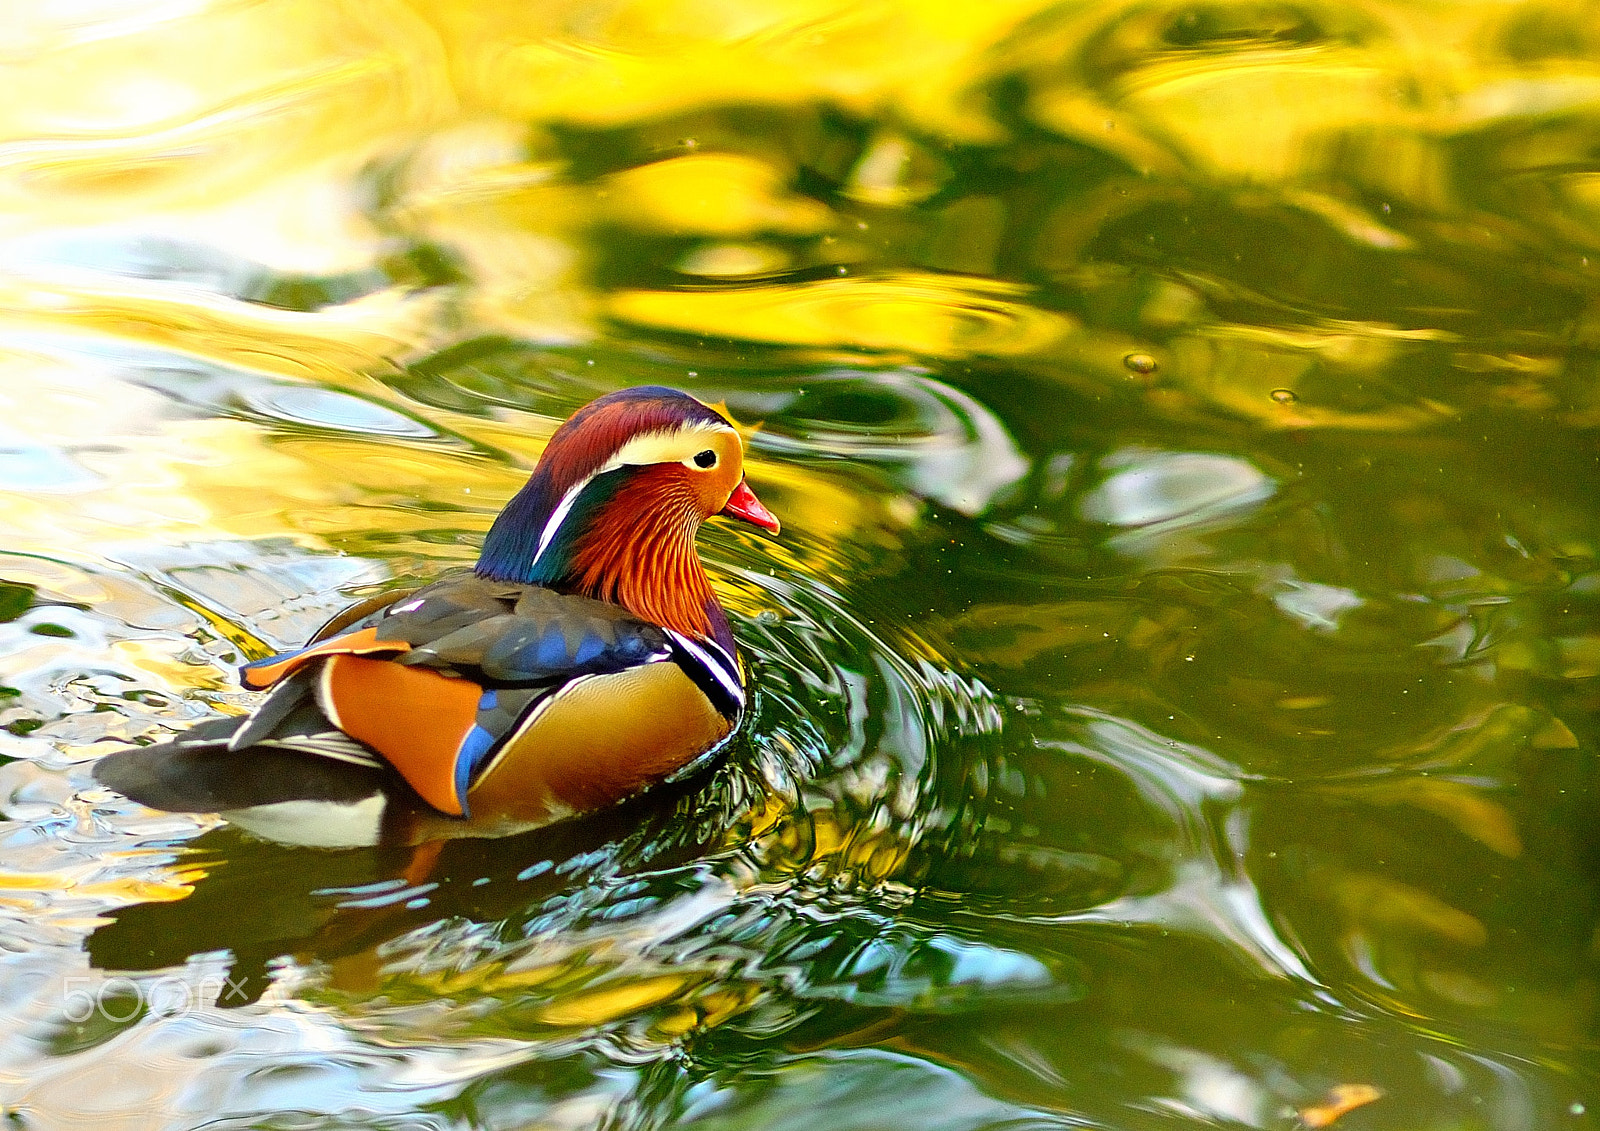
(1177, 680)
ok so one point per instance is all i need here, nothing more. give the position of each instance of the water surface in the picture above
(1177, 678)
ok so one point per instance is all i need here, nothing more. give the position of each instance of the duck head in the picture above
(612, 509)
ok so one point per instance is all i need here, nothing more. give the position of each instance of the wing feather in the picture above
(438, 681)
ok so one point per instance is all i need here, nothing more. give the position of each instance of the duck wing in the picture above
(565, 701)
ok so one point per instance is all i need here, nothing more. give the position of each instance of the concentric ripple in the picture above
(742, 901)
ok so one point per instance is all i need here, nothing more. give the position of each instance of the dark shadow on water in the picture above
(261, 901)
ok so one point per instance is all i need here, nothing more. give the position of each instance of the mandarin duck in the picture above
(584, 658)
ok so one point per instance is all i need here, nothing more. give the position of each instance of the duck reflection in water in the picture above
(260, 901)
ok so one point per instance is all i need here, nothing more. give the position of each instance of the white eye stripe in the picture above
(677, 446)
(652, 447)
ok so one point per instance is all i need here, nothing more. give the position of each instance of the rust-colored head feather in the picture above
(599, 429)
(612, 509)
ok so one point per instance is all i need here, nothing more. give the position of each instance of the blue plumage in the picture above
(474, 749)
(589, 648)
(552, 652)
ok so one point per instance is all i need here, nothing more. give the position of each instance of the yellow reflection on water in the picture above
(576, 61)
(918, 314)
(312, 136)
(203, 100)
(714, 193)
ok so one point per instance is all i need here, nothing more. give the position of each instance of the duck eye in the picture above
(707, 458)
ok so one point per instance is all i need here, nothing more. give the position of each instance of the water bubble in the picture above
(1141, 363)
(1284, 396)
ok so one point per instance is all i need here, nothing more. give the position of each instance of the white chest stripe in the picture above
(716, 661)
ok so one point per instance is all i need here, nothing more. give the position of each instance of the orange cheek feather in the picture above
(639, 552)
(414, 717)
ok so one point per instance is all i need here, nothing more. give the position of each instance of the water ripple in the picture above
(943, 443)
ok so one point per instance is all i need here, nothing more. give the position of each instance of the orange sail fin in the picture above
(264, 673)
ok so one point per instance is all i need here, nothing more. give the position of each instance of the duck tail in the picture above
(293, 754)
